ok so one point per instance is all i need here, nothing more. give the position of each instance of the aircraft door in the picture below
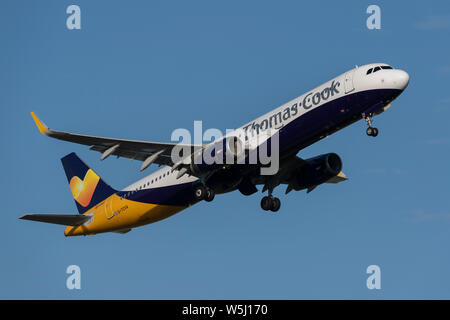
(109, 208)
(349, 81)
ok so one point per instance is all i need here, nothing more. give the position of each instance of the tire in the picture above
(210, 194)
(199, 193)
(369, 131)
(374, 132)
(275, 205)
(266, 203)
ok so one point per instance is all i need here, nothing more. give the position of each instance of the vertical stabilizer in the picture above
(88, 189)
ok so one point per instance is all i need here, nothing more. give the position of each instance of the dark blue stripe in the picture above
(330, 117)
(298, 134)
(174, 195)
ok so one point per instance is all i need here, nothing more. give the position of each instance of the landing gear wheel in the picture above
(210, 194)
(199, 192)
(275, 205)
(270, 203)
(266, 203)
(372, 132)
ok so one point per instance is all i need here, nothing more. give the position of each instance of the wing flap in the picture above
(62, 219)
(134, 155)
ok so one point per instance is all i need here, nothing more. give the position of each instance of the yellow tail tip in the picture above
(41, 126)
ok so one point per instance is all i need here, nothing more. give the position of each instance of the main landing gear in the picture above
(202, 192)
(270, 203)
(371, 131)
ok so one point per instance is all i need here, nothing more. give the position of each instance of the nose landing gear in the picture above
(371, 131)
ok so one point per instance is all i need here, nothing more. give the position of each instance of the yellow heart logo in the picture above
(83, 190)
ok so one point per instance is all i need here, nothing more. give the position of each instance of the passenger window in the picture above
(376, 69)
(369, 71)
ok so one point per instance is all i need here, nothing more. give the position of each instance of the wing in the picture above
(149, 152)
(63, 219)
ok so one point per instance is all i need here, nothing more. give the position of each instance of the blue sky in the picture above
(142, 69)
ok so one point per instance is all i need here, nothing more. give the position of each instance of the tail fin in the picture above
(88, 189)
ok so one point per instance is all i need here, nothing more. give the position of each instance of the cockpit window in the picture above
(372, 70)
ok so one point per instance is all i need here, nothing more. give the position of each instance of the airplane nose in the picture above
(401, 79)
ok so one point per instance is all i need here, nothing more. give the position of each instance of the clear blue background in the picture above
(140, 69)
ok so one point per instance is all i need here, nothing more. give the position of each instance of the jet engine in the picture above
(316, 171)
(216, 155)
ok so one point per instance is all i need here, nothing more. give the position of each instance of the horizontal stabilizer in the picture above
(63, 219)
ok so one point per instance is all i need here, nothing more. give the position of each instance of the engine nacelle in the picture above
(216, 155)
(316, 171)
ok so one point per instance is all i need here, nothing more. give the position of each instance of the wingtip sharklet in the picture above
(41, 126)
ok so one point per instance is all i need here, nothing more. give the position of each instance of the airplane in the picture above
(360, 93)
